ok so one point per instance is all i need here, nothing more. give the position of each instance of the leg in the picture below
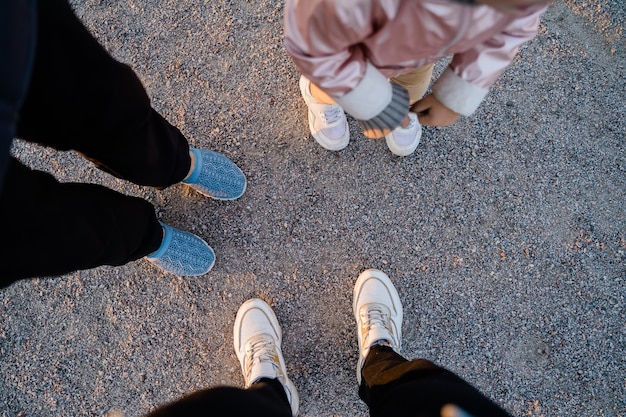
(320, 95)
(17, 46)
(416, 82)
(81, 98)
(388, 383)
(269, 393)
(263, 399)
(393, 386)
(53, 228)
(111, 122)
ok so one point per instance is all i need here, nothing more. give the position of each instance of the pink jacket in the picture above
(350, 48)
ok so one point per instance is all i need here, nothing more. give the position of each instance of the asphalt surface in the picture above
(505, 233)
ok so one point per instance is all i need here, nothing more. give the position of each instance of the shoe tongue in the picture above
(262, 370)
(378, 332)
(377, 315)
(332, 115)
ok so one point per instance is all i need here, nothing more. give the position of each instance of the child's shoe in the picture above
(327, 122)
(216, 176)
(403, 141)
(257, 339)
(378, 312)
(182, 253)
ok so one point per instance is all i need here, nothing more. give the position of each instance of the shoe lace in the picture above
(375, 315)
(332, 114)
(261, 349)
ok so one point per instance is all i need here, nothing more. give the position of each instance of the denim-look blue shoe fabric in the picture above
(216, 176)
(183, 253)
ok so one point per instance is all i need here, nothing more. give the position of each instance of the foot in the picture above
(182, 253)
(327, 122)
(257, 339)
(378, 314)
(215, 176)
(403, 141)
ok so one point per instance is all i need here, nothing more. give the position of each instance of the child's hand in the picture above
(431, 112)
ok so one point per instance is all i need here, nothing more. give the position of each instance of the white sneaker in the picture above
(378, 314)
(327, 122)
(403, 141)
(257, 339)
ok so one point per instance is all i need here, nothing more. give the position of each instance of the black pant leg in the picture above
(52, 228)
(394, 386)
(81, 98)
(17, 50)
(260, 400)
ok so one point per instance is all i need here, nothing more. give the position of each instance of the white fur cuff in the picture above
(370, 97)
(457, 94)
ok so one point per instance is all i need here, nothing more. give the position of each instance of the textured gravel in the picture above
(505, 233)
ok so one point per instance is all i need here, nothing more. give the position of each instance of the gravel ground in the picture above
(505, 234)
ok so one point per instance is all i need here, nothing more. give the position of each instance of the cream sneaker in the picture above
(378, 313)
(327, 122)
(257, 339)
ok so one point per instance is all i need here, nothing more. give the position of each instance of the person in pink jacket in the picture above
(374, 60)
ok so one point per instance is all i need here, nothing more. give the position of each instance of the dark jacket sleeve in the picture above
(17, 46)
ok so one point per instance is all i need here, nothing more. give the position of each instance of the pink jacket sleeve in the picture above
(466, 82)
(322, 38)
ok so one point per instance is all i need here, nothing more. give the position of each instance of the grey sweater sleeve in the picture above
(392, 115)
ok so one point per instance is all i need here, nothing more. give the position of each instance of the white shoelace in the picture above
(259, 350)
(333, 114)
(377, 316)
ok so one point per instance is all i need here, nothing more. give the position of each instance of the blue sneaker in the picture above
(216, 176)
(182, 253)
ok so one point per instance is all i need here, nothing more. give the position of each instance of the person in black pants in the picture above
(60, 88)
(388, 383)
